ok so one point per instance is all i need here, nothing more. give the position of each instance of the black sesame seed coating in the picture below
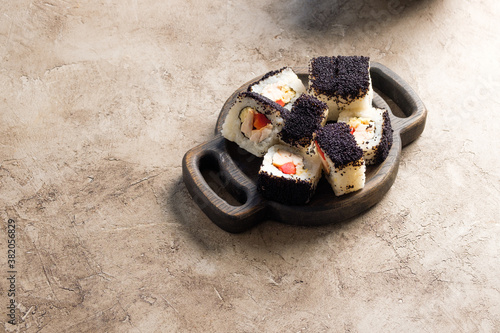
(386, 141)
(265, 77)
(336, 142)
(346, 77)
(289, 191)
(270, 107)
(303, 121)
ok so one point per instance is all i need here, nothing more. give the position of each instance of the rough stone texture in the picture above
(100, 100)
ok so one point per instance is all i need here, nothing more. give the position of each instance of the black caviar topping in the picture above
(386, 141)
(303, 121)
(347, 77)
(266, 76)
(269, 105)
(290, 191)
(337, 142)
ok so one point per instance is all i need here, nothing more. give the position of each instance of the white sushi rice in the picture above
(310, 172)
(346, 178)
(286, 77)
(337, 104)
(369, 146)
(231, 129)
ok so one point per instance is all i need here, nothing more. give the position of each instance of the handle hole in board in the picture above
(396, 110)
(211, 172)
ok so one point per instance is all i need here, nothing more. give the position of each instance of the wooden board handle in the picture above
(405, 98)
(232, 218)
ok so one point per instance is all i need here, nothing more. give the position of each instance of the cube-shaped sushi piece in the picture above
(308, 114)
(282, 86)
(372, 130)
(288, 176)
(342, 82)
(253, 122)
(341, 157)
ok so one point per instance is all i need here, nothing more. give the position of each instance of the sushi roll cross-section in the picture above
(288, 176)
(308, 114)
(343, 82)
(282, 86)
(373, 132)
(341, 157)
(253, 122)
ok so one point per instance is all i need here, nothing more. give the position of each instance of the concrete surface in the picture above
(99, 102)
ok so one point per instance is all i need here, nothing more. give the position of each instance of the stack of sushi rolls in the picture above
(342, 82)
(288, 175)
(341, 157)
(372, 130)
(253, 122)
(331, 128)
(308, 114)
(282, 86)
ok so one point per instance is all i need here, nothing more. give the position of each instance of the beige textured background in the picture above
(100, 100)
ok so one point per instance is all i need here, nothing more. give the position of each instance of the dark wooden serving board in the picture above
(235, 205)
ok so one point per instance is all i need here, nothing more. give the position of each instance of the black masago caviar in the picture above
(303, 121)
(336, 141)
(342, 76)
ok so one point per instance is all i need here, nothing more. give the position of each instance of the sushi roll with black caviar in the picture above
(341, 157)
(282, 86)
(342, 82)
(308, 114)
(373, 132)
(288, 175)
(253, 122)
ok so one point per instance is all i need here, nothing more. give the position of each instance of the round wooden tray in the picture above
(235, 205)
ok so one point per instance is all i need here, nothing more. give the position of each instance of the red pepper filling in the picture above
(320, 151)
(288, 168)
(323, 159)
(260, 121)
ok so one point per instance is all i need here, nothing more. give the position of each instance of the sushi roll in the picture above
(288, 176)
(308, 114)
(373, 132)
(341, 157)
(342, 82)
(253, 122)
(282, 86)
